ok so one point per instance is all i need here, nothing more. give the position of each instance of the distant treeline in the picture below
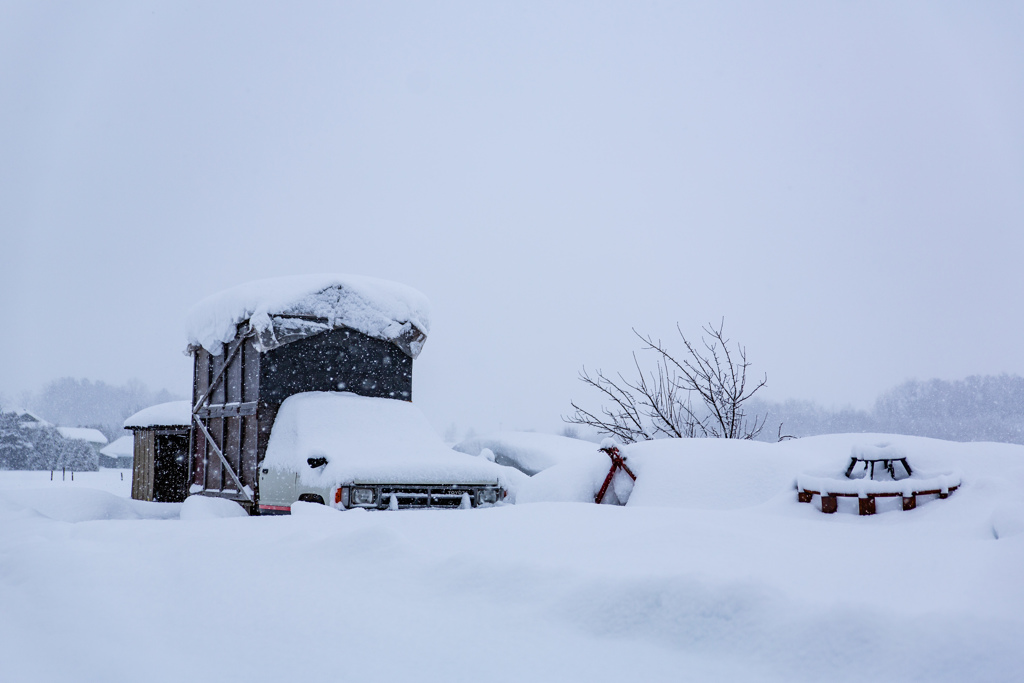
(70, 402)
(979, 408)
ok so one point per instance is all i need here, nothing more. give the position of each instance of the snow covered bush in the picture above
(41, 448)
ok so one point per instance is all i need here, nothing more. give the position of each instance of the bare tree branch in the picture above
(660, 403)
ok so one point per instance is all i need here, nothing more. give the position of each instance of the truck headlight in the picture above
(362, 496)
(487, 496)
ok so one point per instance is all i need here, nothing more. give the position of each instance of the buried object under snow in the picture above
(618, 463)
(895, 479)
(357, 451)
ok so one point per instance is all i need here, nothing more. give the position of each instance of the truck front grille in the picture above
(418, 496)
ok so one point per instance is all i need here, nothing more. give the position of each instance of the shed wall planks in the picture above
(239, 410)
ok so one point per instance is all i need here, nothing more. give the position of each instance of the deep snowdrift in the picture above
(719, 474)
(531, 452)
(713, 572)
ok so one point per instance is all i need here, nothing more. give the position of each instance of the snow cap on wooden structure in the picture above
(280, 310)
(171, 414)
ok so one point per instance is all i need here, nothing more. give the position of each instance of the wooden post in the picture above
(867, 505)
(909, 502)
(804, 496)
(829, 503)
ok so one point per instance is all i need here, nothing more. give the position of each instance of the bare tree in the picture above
(659, 403)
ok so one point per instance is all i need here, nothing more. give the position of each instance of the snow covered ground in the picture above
(713, 572)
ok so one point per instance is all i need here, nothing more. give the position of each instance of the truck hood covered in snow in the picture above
(369, 440)
(384, 310)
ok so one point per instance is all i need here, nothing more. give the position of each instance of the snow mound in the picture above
(531, 452)
(573, 481)
(171, 414)
(208, 507)
(72, 505)
(689, 473)
(369, 440)
(881, 450)
(303, 509)
(378, 308)
(1008, 519)
(721, 474)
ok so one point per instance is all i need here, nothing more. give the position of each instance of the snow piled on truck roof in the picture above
(378, 308)
(369, 440)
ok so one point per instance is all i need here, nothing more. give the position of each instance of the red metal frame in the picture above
(618, 462)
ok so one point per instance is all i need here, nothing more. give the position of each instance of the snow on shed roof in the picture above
(368, 440)
(28, 418)
(120, 448)
(171, 414)
(82, 434)
(378, 308)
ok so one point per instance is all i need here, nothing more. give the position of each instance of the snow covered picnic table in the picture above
(867, 490)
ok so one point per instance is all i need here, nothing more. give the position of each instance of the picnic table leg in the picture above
(804, 496)
(828, 503)
(867, 505)
(849, 470)
(909, 502)
(906, 466)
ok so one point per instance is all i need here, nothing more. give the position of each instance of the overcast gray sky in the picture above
(844, 182)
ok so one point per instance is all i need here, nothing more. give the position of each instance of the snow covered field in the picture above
(713, 572)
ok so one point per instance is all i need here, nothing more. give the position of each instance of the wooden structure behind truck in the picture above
(236, 396)
(160, 463)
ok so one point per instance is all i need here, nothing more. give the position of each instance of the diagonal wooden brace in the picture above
(223, 460)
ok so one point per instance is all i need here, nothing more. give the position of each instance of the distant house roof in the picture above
(284, 309)
(29, 419)
(172, 414)
(120, 448)
(82, 434)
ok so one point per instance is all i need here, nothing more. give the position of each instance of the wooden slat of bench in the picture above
(933, 492)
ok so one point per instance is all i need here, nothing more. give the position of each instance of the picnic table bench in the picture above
(866, 490)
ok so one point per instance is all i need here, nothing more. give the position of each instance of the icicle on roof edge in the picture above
(378, 308)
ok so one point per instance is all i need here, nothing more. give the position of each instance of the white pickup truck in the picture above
(350, 451)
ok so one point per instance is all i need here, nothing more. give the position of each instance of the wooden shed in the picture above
(284, 337)
(119, 454)
(160, 463)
